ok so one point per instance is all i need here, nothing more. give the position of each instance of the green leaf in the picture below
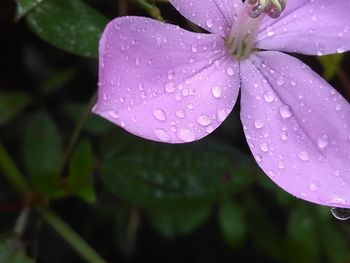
(152, 174)
(11, 104)
(93, 124)
(302, 236)
(80, 176)
(331, 64)
(232, 223)
(70, 25)
(42, 152)
(11, 251)
(333, 242)
(24, 6)
(57, 79)
(178, 220)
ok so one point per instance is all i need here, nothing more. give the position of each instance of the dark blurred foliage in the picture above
(132, 200)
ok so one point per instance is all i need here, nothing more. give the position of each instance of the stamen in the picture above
(273, 8)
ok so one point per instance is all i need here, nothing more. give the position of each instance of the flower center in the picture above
(241, 38)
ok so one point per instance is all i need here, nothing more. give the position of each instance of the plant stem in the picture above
(70, 236)
(11, 172)
(152, 10)
(22, 221)
(75, 135)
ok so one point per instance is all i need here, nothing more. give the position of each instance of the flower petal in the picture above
(309, 27)
(163, 83)
(216, 16)
(297, 127)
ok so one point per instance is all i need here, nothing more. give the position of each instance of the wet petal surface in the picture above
(298, 128)
(163, 83)
(216, 16)
(314, 27)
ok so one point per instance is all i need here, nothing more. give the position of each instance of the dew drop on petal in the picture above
(222, 115)
(323, 141)
(304, 156)
(186, 135)
(159, 114)
(285, 111)
(264, 147)
(259, 124)
(162, 135)
(230, 71)
(284, 135)
(169, 87)
(180, 114)
(209, 23)
(203, 120)
(269, 96)
(216, 91)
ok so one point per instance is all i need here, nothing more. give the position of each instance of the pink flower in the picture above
(166, 84)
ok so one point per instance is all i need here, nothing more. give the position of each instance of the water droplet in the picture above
(216, 91)
(269, 96)
(264, 147)
(180, 114)
(284, 135)
(159, 114)
(169, 87)
(209, 23)
(304, 156)
(259, 124)
(222, 115)
(230, 71)
(203, 120)
(341, 213)
(162, 135)
(338, 107)
(194, 48)
(285, 111)
(323, 141)
(280, 81)
(186, 135)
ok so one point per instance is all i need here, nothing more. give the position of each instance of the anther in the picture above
(272, 8)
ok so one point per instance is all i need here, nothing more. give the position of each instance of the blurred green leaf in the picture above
(232, 223)
(42, 152)
(24, 6)
(178, 220)
(148, 173)
(264, 229)
(80, 176)
(331, 64)
(127, 220)
(94, 124)
(58, 79)
(333, 242)
(11, 251)
(11, 104)
(302, 237)
(69, 25)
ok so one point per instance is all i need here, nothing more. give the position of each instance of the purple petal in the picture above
(297, 127)
(163, 83)
(310, 27)
(216, 16)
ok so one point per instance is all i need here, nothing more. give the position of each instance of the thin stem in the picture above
(70, 236)
(21, 221)
(152, 10)
(77, 131)
(11, 172)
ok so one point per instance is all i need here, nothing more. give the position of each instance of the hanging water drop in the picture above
(341, 213)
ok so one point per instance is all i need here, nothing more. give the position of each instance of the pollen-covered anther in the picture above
(272, 8)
